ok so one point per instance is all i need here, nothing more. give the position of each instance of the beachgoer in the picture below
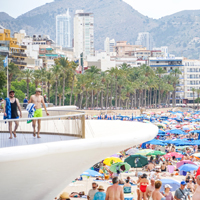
(115, 192)
(150, 166)
(196, 194)
(139, 174)
(157, 174)
(190, 185)
(182, 193)
(100, 195)
(14, 104)
(150, 188)
(156, 195)
(127, 187)
(92, 192)
(25, 102)
(167, 194)
(143, 186)
(64, 196)
(37, 99)
(163, 167)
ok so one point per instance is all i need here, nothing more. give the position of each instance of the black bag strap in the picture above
(182, 191)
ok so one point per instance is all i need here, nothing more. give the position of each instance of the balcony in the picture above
(23, 47)
(19, 54)
(19, 62)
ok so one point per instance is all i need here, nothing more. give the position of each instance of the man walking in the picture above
(37, 99)
(92, 192)
(10, 111)
(182, 193)
(115, 192)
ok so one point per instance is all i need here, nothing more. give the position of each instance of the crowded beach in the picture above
(165, 168)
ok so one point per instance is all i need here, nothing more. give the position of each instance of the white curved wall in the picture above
(41, 171)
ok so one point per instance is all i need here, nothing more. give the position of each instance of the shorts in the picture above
(15, 117)
(38, 112)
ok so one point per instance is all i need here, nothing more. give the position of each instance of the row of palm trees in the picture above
(121, 86)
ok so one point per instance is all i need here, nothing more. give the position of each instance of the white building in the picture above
(191, 78)
(63, 30)
(145, 39)
(109, 45)
(164, 50)
(83, 34)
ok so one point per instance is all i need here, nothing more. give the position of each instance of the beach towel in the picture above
(170, 168)
(31, 109)
(8, 109)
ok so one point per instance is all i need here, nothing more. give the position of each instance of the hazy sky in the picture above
(150, 8)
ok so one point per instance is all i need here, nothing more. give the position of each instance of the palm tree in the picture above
(81, 84)
(198, 92)
(56, 70)
(159, 71)
(36, 77)
(65, 69)
(73, 67)
(193, 91)
(175, 79)
(49, 82)
(13, 70)
(28, 75)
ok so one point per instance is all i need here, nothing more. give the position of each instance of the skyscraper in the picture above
(109, 45)
(63, 30)
(145, 39)
(83, 34)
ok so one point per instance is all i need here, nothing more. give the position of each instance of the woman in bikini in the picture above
(143, 186)
(156, 195)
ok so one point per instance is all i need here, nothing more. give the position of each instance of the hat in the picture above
(168, 186)
(11, 91)
(183, 183)
(38, 90)
(64, 195)
(100, 187)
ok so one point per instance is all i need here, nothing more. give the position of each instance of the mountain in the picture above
(115, 19)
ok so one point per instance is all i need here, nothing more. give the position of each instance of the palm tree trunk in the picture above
(116, 93)
(111, 95)
(92, 99)
(101, 99)
(48, 91)
(75, 99)
(135, 101)
(72, 88)
(132, 101)
(86, 101)
(81, 99)
(145, 96)
(107, 96)
(63, 89)
(56, 91)
(60, 100)
(97, 98)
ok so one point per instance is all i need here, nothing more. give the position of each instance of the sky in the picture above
(151, 8)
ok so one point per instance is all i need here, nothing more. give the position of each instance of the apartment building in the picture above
(83, 34)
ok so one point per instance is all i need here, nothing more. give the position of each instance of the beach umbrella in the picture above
(115, 155)
(111, 160)
(120, 167)
(161, 132)
(92, 173)
(177, 155)
(195, 131)
(136, 161)
(177, 131)
(156, 153)
(143, 152)
(188, 167)
(183, 162)
(132, 151)
(173, 183)
(155, 142)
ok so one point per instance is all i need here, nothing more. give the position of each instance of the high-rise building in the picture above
(63, 30)
(83, 34)
(109, 45)
(145, 39)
